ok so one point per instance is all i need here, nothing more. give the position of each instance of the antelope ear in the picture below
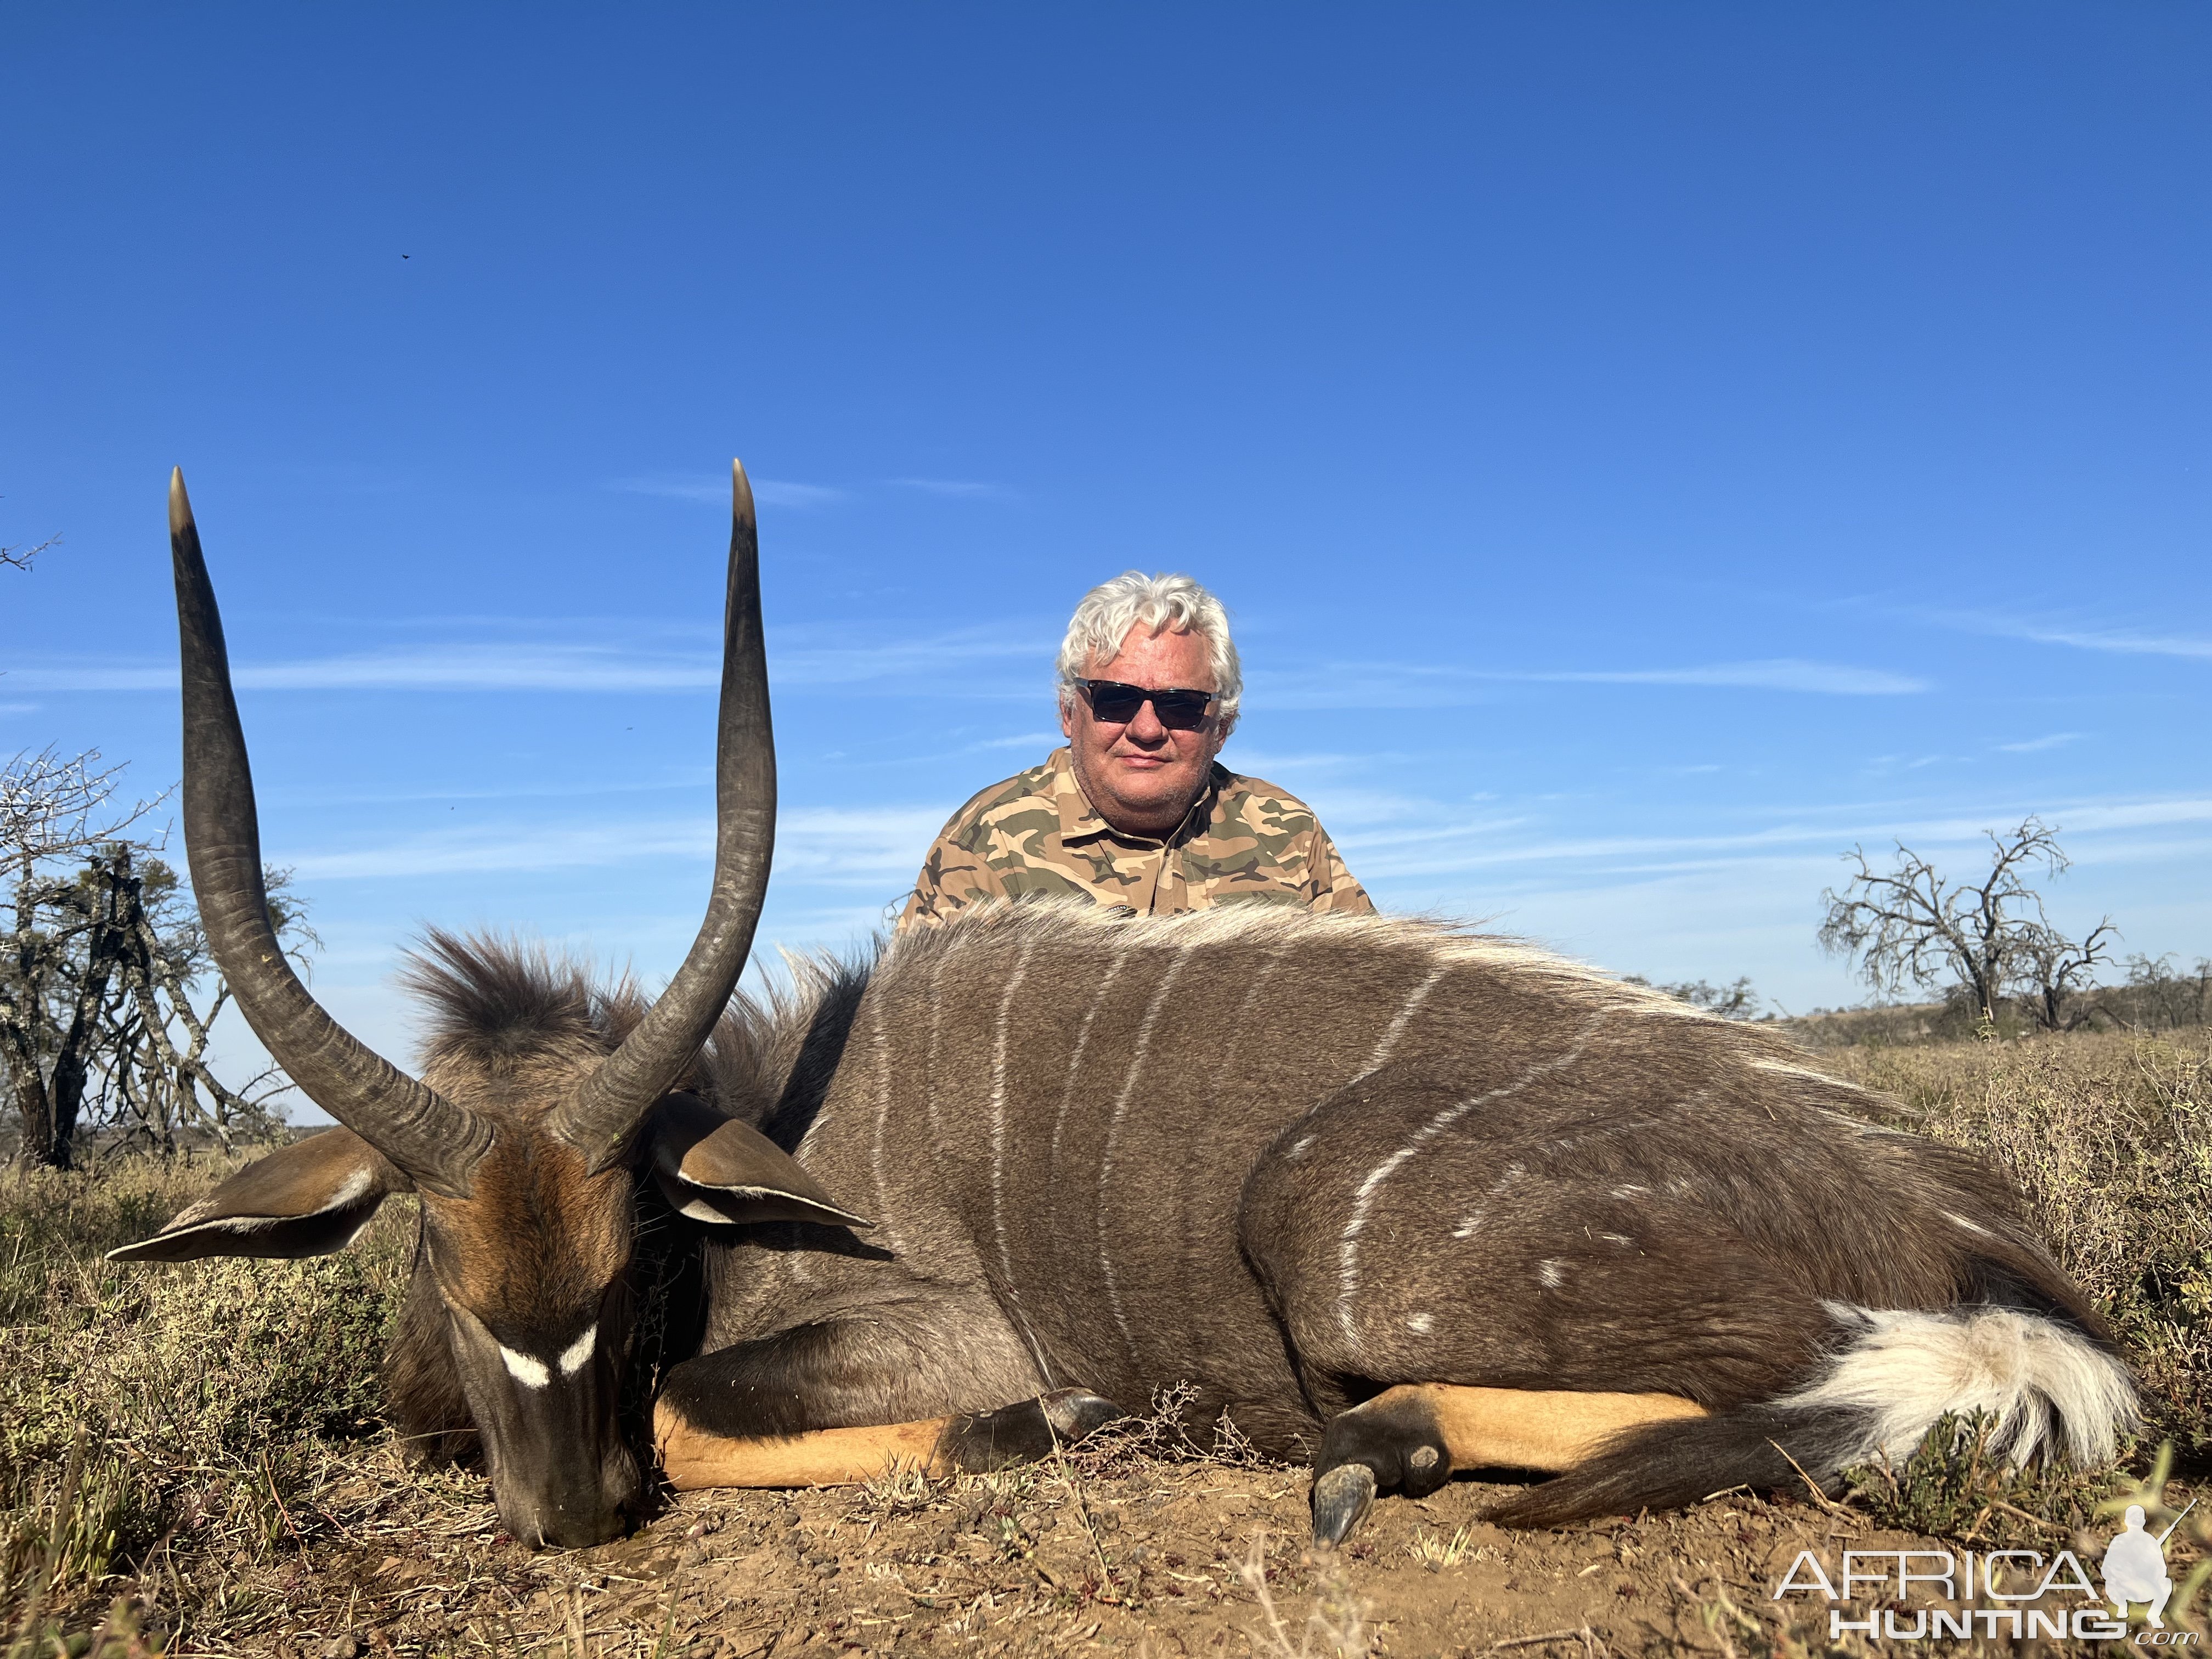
(309, 1200)
(714, 1168)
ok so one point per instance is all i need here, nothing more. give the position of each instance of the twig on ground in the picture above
(1339, 1619)
(1593, 1645)
(1811, 1485)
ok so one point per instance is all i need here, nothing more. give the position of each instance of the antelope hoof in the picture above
(1023, 1432)
(1077, 1414)
(1397, 1437)
(1340, 1498)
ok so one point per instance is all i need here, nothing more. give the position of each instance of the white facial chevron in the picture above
(537, 1374)
(579, 1352)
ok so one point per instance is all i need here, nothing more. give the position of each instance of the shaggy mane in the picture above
(493, 1001)
(772, 1054)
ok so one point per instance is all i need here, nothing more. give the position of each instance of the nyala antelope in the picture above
(1400, 1199)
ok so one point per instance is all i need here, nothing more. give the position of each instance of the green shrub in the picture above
(1954, 1487)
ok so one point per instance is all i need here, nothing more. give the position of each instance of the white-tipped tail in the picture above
(2049, 1388)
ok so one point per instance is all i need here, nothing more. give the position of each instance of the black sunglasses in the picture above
(1176, 709)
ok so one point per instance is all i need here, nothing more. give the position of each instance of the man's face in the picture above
(1140, 775)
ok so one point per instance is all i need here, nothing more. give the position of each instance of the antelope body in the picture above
(1399, 1199)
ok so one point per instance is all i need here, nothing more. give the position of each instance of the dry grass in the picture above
(2109, 1137)
(209, 1401)
(1335, 1625)
(235, 1487)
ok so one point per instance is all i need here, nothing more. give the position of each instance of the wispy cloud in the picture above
(1268, 763)
(782, 492)
(1774, 674)
(868, 847)
(2124, 641)
(963, 489)
(2036, 745)
(489, 666)
(768, 492)
(847, 656)
(804, 655)
(516, 848)
(1038, 740)
(1442, 841)
(18, 708)
(1413, 686)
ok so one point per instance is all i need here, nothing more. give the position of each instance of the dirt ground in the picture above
(1127, 1555)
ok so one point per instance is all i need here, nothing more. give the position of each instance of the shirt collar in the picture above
(1079, 820)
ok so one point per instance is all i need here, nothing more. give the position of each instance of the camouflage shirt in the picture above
(1244, 841)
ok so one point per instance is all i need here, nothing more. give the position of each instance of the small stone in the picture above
(340, 1647)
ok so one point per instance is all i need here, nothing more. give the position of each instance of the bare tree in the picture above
(1909, 925)
(100, 957)
(1735, 1000)
(2055, 968)
(19, 556)
(2158, 994)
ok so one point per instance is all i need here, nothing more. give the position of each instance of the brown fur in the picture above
(511, 1029)
(1295, 1160)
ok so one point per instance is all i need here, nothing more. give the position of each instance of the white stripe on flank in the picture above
(578, 1354)
(879, 1044)
(821, 1116)
(531, 1373)
(1363, 1202)
(1113, 1129)
(929, 1086)
(1082, 1042)
(998, 1112)
(1412, 1005)
(1237, 1026)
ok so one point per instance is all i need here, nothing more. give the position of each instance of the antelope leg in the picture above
(1416, 1435)
(693, 1458)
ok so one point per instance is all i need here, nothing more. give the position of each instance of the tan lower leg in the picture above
(823, 1457)
(1528, 1428)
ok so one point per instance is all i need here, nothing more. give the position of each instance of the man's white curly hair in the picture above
(1133, 600)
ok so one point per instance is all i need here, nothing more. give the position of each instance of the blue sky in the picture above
(1645, 450)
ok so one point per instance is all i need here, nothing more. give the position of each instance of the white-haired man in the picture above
(1135, 812)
